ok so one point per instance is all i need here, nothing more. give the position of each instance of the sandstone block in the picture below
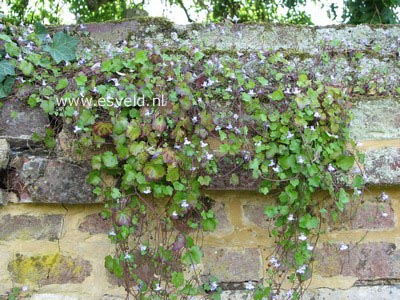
(233, 265)
(49, 269)
(28, 227)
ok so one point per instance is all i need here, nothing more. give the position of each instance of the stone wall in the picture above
(53, 239)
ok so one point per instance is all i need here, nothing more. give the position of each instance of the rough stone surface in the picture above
(224, 225)
(39, 179)
(254, 214)
(54, 297)
(233, 265)
(389, 292)
(19, 121)
(3, 197)
(385, 292)
(252, 36)
(364, 261)
(376, 119)
(368, 215)
(373, 216)
(27, 227)
(383, 166)
(4, 153)
(95, 224)
(49, 269)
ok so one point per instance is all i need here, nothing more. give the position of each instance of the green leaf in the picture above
(153, 171)
(94, 177)
(277, 95)
(344, 197)
(263, 81)
(234, 180)
(41, 31)
(6, 87)
(308, 222)
(26, 67)
(133, 131)
(192, 255)
(345, 162)
(177, 279)
(81, 80)
(47, 106)
(110, 160)
(6, 69)
(62, 84)
(204, 180)
(109, 263)
(5, 37)
(63, 47)
(172, 174)
(12, 49)
(271, 211)
(141, 57)
(209, 224)
(358, 181)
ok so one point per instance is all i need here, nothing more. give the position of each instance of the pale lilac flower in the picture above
(170, 78)
(96, 66)
(300, 160)
(302, 269)
(249, 286)
(276, 169)
(331, 168)
(186, 142)
(77, 129)
(115, 80)
(235, 116)
(76, 113)
(252, 93)
(127, 256)
(202, 144)
(271, 163)
(229, 89)
(235, 19)
(384, 196)
(309, 247)
(302, 237)
(209, 156)
(384, 214)
(258, 144)
(290, 218)
(143, 248)
(184, 204)
(275, 262)
(147, 190)
(217, 128)
(317, 115)
(213, 286)
(194, 119)
(343, 247)
(312, 128)
(289, 135)
(158, 287)
(112, 233)
(174, 215)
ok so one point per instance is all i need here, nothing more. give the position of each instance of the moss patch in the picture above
(49, 269)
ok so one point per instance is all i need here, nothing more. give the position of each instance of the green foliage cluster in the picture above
(263, 115)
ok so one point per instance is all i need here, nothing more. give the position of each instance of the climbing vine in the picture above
(159, 125)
